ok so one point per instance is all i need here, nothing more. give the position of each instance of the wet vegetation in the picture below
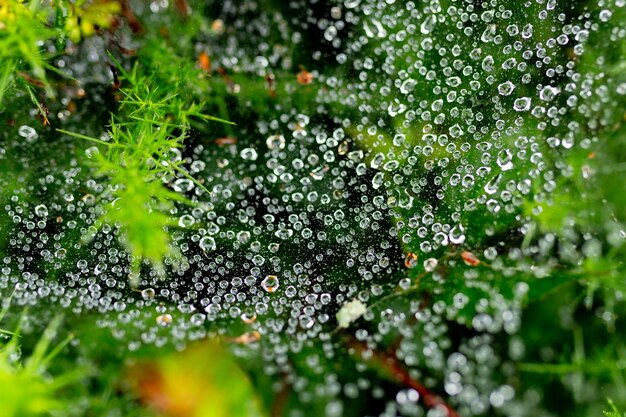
(312, 208)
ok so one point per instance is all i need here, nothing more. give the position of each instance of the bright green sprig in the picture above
(26, 25)
(26, 389)
(22, 28)
(146, 137)
(613, 412)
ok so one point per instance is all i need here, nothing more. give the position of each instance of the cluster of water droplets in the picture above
(367, 219)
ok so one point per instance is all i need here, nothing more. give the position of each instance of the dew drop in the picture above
(270, 283)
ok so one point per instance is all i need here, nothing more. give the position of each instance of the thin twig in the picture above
(280, 400)
(400, 374)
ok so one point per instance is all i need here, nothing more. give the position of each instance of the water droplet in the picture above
(457, 235)
(378, 180)
(430, 264)
(275, 142)
(548, 93)
(41, 210)
(207, 244)
(270, 283)
(249, 154)
(506, 88)
(186, 220)
(522, 104)
(148, 293)
(27, 133)
(410, 261)
(164, 320)
(408, 85)
(248, 318)
(505, 160)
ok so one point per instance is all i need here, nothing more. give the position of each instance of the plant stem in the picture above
(391, 363)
